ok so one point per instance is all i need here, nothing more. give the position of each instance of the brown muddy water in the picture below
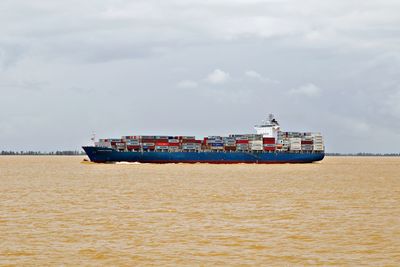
(343, 211)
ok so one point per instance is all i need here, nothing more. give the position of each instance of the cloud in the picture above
(255, 75)
(187, 84)
(146, 49)
(309, 90)
(218, 77)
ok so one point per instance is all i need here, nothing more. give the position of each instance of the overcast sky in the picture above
(203, 67)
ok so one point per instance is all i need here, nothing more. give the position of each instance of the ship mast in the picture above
(93, 138)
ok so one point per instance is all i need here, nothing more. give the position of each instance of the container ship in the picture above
(268, 145)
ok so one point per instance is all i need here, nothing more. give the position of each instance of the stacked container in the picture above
(318, 142)
(229, 143)
(215, 143)
(295, 143)
(242, 143)
(269, 144)
(133, 144)
(307, 142)
(286, 141)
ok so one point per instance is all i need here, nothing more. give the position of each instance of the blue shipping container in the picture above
(217, 144)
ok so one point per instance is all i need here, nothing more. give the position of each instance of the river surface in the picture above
(343, 211)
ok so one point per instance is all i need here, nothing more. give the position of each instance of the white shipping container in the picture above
(257, 142)
(103, 144)
(295, 140)
(148, 144)
(295, 147)
(242, 145)
(188, 137)
(269, 145)
(318, 147)
(161, 137)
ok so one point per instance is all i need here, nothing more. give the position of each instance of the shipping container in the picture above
(162, 143)
(270, 145)
(318, 147)
(148, 140)
(187, 137)
(162, 147)
(174, 144)
(217, 144)
(148, 144)
(147, 137)
(295, 147)
(269, 140)
(295, 140)
(217, 147)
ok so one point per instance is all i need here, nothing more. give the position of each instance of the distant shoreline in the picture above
(40, 153)
(82, 153)
(363, 154)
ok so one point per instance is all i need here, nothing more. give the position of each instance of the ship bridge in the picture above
(269, 128)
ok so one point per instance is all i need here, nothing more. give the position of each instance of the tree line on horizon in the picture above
(364, 154)
(52, 153)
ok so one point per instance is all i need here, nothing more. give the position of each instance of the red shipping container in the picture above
(269, 148)
(307, 142)
(174, 144)
(161, 140)
(162, 144)
(242, 141)
(188, 141)
(149, 140)
(269, 140)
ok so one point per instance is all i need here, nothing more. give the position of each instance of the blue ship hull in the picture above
(101, 155)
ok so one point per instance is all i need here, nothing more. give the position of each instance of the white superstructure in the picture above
(269, 128)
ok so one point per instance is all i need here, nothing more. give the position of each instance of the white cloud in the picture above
(218, 77)
(187, 84)
(255, 75)
(309, 90)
